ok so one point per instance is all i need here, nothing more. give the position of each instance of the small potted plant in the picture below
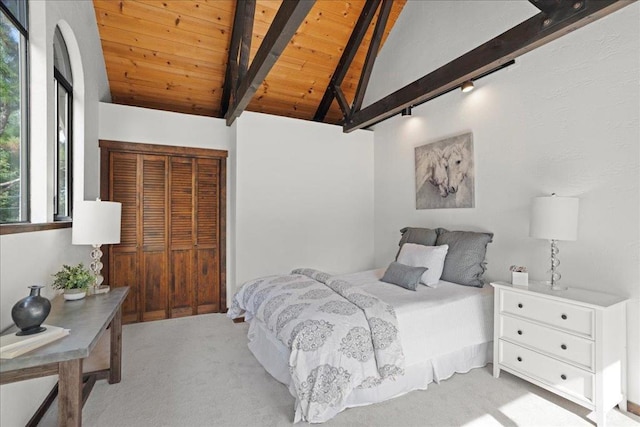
(73, 280)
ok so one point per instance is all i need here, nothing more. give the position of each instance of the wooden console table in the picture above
(87, 319)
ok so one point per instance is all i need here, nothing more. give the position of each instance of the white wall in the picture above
(299, 193)
(135, 124)
(142, 125)
(432, 33)
(564, 119)
(304, 197)
(31, 258)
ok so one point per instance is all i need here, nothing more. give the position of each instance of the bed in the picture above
(301, 335)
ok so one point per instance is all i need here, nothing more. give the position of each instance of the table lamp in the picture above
(554, 218)
(96, 223)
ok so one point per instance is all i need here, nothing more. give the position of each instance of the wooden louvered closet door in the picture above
(207, 240)
(182, 234)
(194, 222)
(153, 233)
(172, 246)
(123, 258)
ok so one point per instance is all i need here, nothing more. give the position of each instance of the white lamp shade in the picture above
(554, 218)
(96, 223)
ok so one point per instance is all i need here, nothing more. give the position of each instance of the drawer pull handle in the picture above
(520, 305)
(563, 346)
(564, 317)
(563, 376)
(519, 332)
(519, 359)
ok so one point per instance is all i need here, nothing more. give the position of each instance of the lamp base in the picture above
(553, 286)
(103, 289)
(555, 262)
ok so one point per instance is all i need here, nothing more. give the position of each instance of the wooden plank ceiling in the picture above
(172, 54)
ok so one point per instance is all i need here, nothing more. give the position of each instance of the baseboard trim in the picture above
(634, 408)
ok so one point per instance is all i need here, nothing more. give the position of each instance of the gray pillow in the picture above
(403, 275)
(419, 236)
(464, 263)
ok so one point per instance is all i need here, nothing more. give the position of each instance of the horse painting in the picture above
(434, 167)
(445, 174)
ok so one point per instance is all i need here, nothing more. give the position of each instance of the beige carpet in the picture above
(198, 371)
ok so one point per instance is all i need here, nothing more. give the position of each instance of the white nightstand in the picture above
(570, 342)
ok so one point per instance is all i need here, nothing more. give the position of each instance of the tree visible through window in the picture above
(13, 117)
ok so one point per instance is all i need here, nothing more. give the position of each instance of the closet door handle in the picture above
(563, 376)
(519, 359)
(519, 332)
(520, 305)
(564, 317)
(563, 346)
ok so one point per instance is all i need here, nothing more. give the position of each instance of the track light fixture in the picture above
(467, 86)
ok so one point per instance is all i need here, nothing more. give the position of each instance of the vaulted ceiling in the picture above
(308, 59)
(172, 54)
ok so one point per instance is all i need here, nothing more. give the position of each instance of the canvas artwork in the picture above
(445, 174)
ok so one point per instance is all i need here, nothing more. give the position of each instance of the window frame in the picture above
(16, 20)
(62, 81)
(25, 140)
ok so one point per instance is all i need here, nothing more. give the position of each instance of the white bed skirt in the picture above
(274, 357)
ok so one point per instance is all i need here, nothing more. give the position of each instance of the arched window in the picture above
(63, 150)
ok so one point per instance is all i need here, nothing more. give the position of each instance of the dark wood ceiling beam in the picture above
(372, 53)
(524, 37)
(350, 50)
(556, 10)
(245, 42)
(549, 6)
(289, 17)
(342, 100)
(232, 72)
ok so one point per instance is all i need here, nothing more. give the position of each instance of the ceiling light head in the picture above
(406, 111)
(467, 86)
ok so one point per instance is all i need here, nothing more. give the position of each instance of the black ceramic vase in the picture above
(29, 313)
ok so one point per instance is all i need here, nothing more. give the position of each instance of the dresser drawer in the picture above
(559, 375)
(573, 318)
(557, 343)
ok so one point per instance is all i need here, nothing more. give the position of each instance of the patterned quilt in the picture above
(341, 337)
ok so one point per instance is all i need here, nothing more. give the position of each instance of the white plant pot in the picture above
(74, 294)
(519, 279)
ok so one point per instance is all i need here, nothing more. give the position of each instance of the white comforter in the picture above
(433, 322)
(340, 336)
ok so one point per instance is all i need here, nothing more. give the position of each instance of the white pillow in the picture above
(431, 257)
